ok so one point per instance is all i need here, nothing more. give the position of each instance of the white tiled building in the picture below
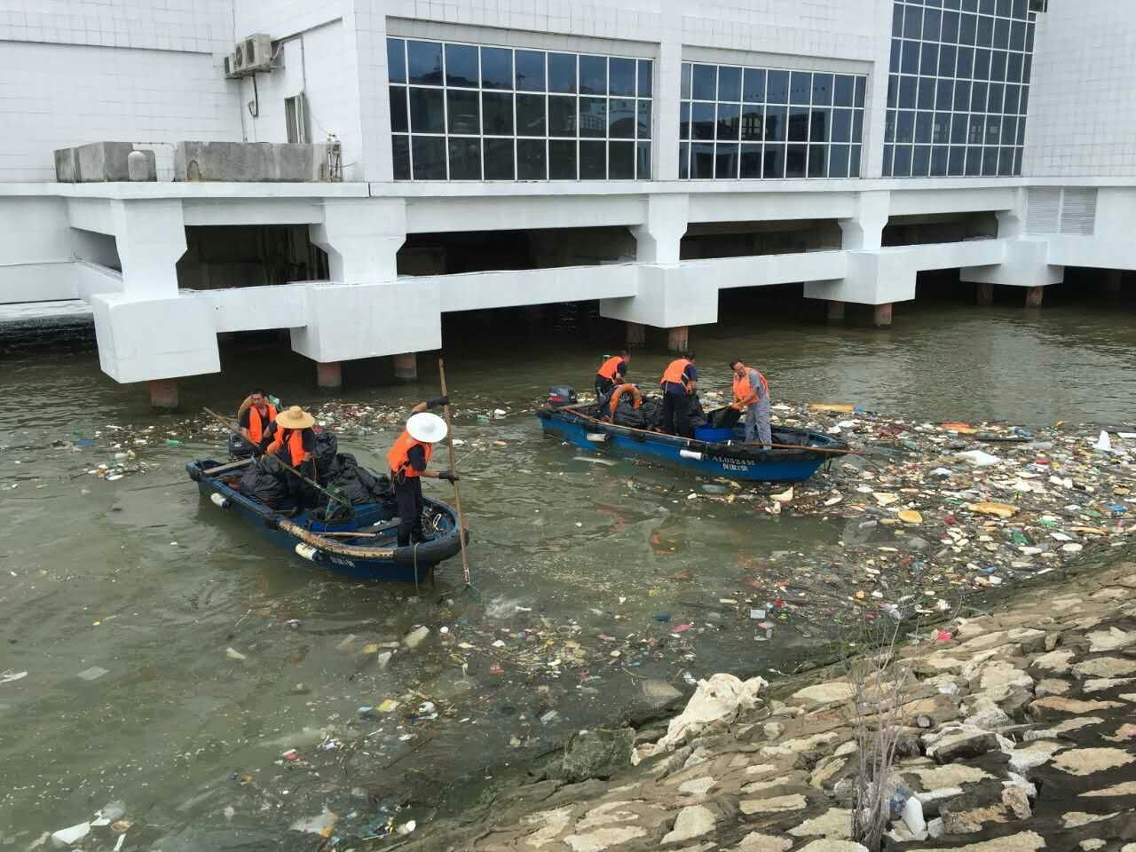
(670, 149)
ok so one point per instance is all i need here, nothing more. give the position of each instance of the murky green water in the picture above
(572, 561)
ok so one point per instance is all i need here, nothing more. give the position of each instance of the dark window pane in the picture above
(901, 164)
(499, 159)
(496, 70)
(908, 86)
(994, 101)
(975, 128)
(752, 123)
(773, 161)
(913, 22)
(993, 129)
(973, 162)
(702, 121)
(622, 76)
(854, 162)
(726, 161)
(530, 115)
(820, 125)
(968, 28)
(751, 161)
(956, 161)
(958, 129)
(921, 161)
(962, 95)
(684, 161)
(990, 162)
(1020, 7)
(728, 121)
(965, 63)
(1023, 107)
(398, 109)
(950, 32)
(561, 160)
(621, 118)
(701, 161)
(896, 49)
(1017, 161)
(939, 161)
(400, 150)
(562, 76)
(798, 124)
(858, 125)
(1029, 37)
(777, 87)
(998, 66)
(645, 82)
(796, 159)
(985, 31)
(593, 161)
(593, 79)
(1009, 130)
(1003, 8)
(497, 114)
(822, 89)
(685, 87)
(932, 23)
(978, 93)
(893, 91)
(944, 94)
(1013, 94)
(425, 61)
(842, 125)
(1014, 68)
(929, 64)
(427, 114)
(530, 159)
(1002, 34)
(429, 157)
(396, 62)
(593, 118)
(776, 122)
(465, 159)
(684, 121)
(905, 126)
(621, 160)
(561, 116)
(986, 7)
(753, 87)
(643, 130)
(643, 161)
(926, 99)
(800, 87)
(461, 66)
(897, 21)
(941, 128)
(889, 127)
(861, 89)
(462, 112)
(818, 161)
(844, 90)
(910, 62)
(838, 161)
(705, 85)
(729, 83)
(530, 71)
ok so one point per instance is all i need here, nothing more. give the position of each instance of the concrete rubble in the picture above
(774, 767)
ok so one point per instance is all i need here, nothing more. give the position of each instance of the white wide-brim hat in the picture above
(427, 428)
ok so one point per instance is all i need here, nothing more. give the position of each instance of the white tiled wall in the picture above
(1081, 121)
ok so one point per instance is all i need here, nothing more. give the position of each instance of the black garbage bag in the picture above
(327, 448)
(652, 411)
(626, 414)
(724, 418)
(694, 413)
(266, 480)
(358, 484)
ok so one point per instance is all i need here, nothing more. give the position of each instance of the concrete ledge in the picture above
(481, 290)
(255, 308)
(37, 282)
(1090, 251)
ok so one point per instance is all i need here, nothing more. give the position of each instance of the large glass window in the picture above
(475, 112)
(768, 123)
(958, 88)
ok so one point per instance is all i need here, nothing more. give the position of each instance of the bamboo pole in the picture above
(453, 467)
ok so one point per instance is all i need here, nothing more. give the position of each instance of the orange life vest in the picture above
(256, 425)
(398, 459)
(742, 388)
(293, 440)
(674, 372)
(610, 368)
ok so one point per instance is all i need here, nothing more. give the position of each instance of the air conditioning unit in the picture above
(253, 54)
(230, 63)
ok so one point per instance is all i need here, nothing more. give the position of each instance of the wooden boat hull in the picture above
(732, 459)
(351, 557)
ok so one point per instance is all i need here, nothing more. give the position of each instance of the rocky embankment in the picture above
(1017, 732)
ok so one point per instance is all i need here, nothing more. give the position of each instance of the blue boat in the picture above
(364, 546)
(796, 454)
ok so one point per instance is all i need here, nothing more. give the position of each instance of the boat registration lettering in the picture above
(730, 464)
(339, 560)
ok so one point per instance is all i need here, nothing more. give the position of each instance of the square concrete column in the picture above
(329, 376)
(835, 311)
(678, 339)
(984, 293)
(881, 315)
(362, 237)
(406, 367)
(667, 91)
(1034, 296)
(864, 231)
(659, 239)
(164, 394)
(150, 237)
(636, 334)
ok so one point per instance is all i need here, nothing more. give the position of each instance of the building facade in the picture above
(643, 153)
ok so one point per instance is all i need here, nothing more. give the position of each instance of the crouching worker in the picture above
(291, 438)
(407, 460)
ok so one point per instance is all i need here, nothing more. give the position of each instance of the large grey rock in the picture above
(659, 693)
(1086, 761)
(693, 821)
(598, 753)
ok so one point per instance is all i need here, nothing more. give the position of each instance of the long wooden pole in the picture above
(453, 467)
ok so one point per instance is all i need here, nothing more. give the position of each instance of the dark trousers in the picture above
(302, 494)
(676, 419)
(408, 493)
(604, 387)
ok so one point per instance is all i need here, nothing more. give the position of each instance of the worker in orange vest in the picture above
(257, 417)
(292, 439)
(679, 381)
(611, 374)
(407, 462)
(751, 394)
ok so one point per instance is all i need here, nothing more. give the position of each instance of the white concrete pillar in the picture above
(365, 84)
(864, 232)
(150, 236)
(875, 101)
(659, 239)
(362, 237)
(667, 91)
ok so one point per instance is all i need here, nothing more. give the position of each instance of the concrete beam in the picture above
(512, 288)
(253, 211)
(154, 339)
(449, 215)
(771, 206)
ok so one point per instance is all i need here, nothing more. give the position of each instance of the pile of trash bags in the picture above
(649, 415)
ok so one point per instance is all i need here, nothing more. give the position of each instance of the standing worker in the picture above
(257, 417)
(611, 374)
(680, 380)
(751, 392)
(407, 461)
(291, 437)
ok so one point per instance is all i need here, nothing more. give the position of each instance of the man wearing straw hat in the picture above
(291, 437)
(407, 460)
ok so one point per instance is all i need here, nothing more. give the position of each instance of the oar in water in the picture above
(224, 421)
(453, 467)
